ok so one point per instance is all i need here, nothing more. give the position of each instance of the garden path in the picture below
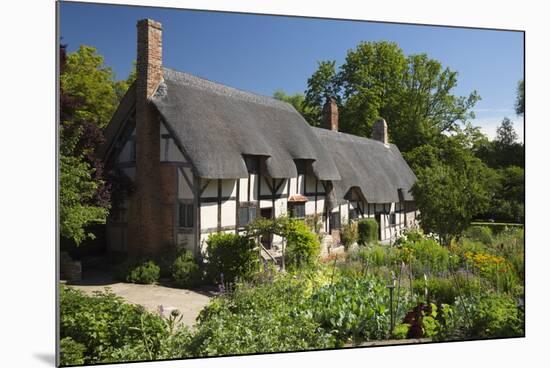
(188, 302)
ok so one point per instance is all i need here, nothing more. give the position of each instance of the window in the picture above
(247, 213)
(297, 209)
(335, 220)
(392, 219)
(185, 214)
(353, 213)
(300, 166)
(252, 164)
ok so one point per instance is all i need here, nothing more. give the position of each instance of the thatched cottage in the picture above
(206, 158)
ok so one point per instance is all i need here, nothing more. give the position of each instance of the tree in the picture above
(506, 135)
(520, 98)
(448, 199)
(88, 97)
(413, 93)
(86, 78)
(296, 100)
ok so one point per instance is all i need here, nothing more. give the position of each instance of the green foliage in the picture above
(140, 272)
(76, 191)
(71, 352)
(426, 256)
(367, 231)
(232, 255)
(445, 290)
(186, 271)
(265, 318)
(520, 98)
(349, 234)
(481, 234)
(87, 78)
(302, 248)
(489, 315)
(400, 331)
(353, 309)
(103, 323)
(297, 101)
(449, 198)
(413, 92)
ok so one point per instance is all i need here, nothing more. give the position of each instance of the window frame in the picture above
(188, 213)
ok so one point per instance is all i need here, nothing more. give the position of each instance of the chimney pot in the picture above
(380, 131)
(330, 115)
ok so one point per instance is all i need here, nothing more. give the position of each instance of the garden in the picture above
(416, 288)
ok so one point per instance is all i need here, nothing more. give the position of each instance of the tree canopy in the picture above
(413, 93)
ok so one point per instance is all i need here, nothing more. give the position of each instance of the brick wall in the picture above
(146, 208)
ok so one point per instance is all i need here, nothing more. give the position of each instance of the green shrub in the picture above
(233, 255)
(489, 315)
(186, 271)
(349, 234)
(302, 247)
(367, 231)
(427, 256)
(481, 234)
(71, 352)
(400, 331)
(104, 323)
(146, 272)
(445, 290)
(353, 309)
(264, 318)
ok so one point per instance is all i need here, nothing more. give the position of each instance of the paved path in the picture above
(188, 302)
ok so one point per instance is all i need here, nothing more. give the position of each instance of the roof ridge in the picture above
(222, 89)
(347, 135)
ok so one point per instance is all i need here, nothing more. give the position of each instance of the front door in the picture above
(266, 240)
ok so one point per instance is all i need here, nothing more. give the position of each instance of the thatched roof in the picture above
(379, 171)
(217, 125)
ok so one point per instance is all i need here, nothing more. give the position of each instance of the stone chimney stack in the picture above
(330, 115)
(380, 131)
(143, 223)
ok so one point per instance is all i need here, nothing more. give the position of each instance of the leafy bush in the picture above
(144, 272)
(71, 352)
(489, 315)
(367, 231)
(103, 323)
(302, 248)
(186, 271)
(265, 318)
(232, 255)
(445, 290)
(427, 256)
(375, 255)
(353, 309)
(481, 234)
(349, 234)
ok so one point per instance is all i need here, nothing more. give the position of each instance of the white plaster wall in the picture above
(211, 190)
(229, 188)
(266, 203)
(228, 213)
(344, 214)
(209, 215)
(310, 206)
(253, 187)
(292, 186)
(243, 188)
(280, 207)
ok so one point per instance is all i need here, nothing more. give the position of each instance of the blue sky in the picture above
(265, 53)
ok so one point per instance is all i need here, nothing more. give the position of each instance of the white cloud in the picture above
(489, 126)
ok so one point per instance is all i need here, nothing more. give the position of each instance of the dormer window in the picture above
(252, 164)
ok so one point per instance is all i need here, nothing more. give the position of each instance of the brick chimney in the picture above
(145, 209)
(380, 131)
(330, 115)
